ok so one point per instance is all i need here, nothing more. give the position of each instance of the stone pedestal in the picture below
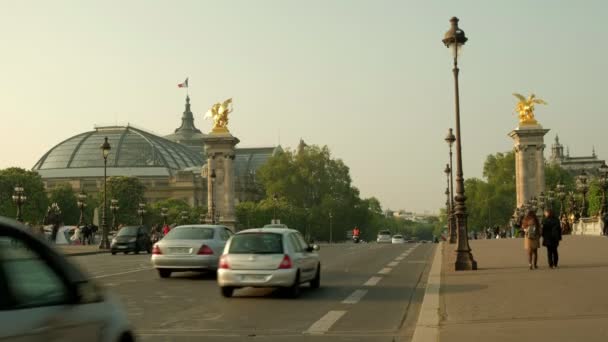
(588, 226)
(529, 161)
(219, 148)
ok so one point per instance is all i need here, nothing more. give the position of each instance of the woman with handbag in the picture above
(552, 235)
(533, 232)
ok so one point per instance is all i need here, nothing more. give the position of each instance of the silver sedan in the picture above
(190, 248)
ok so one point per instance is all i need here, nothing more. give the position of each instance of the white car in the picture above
(398, 239)
(268, 257)
(384, 236)
(45, 298)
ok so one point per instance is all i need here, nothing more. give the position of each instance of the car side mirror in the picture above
(315, 247)
(88, 292)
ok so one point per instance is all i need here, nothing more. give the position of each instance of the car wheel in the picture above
(316, 282)
(164, 273)
(113, 253)
(294, 290)
(126, 252)
(136, 251)
(227, 291)
(127, 337)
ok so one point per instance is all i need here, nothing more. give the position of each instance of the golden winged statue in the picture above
(525, 108)
(219, 113)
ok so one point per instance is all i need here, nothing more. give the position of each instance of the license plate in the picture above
(180, 250)
(121, 247)
(254, 277)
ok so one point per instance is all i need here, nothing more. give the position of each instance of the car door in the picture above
(41, 301)
(310, 257)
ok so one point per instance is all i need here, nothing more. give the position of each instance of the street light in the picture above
(541, 201)
(450, 139)
(213, 179)
(141, 211)
(105, 152)
(202, 218)
(550, 198)
(114, 209)
(582, 186)
(275, 201)
(331, 227)
(184, 216)
(449, 208)
(603, 181)
(19, 198)
(164, 212)
(561, 196)
(454, 39)
(81, 202)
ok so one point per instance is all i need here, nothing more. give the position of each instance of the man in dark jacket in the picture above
(552, 235)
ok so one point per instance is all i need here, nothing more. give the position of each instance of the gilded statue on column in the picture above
(219, 113)
(525, 108)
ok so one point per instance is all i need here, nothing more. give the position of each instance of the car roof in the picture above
(267, 230)
(199, 226)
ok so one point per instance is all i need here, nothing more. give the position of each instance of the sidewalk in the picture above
(76, 250)
(505, 301)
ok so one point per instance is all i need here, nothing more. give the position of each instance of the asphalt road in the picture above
(369, 292)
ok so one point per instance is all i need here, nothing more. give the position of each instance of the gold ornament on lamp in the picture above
(525, 108)
(219, 113)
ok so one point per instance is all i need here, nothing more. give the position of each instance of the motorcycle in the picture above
(356, 239)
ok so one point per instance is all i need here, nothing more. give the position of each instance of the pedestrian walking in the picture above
(533, 231)
(166, 230)
(552, 235)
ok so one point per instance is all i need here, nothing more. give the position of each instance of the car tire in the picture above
(316, 282)
(113, 253)
(227, 291)
(136, 250)
(126, 337)
(126, 252)
(294, 290)
(164, 273)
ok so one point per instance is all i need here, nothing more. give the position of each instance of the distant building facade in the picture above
(169, 167)
(574, 164)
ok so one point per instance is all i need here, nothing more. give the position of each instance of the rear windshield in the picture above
(128, 231)
(190, 233)
(398, 237)
(257, 243)
(384, 232)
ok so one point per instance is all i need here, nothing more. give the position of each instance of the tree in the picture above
(129, 191)
(175, 207)
(64, 196)
(36, 203)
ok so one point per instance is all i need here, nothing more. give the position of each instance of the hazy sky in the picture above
(370, 79)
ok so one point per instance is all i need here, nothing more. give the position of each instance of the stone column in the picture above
(210, 186)
(229, 187)
(529, 161)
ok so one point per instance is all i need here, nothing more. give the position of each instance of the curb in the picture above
(84, 253)
(427, 327)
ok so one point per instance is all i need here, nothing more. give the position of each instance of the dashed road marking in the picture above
(355, 297)
(373, 281)
(393, 264)
(385, 270)
(121, 273)
(324, 324)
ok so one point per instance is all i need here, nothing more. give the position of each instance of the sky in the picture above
(370, 79)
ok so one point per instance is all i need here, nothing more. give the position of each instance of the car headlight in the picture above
(114, 240)
(132, 239)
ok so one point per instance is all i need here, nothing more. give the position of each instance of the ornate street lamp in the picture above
(105, 152)
(550, 198)
(454, 40)
(141, 211)
(114, 209)
(202, 218)
(450, 139)
(213, 179)
(561, 196)
(331, 227)
(164, 212)
(534, 204)
(19, 198)
(449, 208)
(275, 201)
(542, 204)
(582, 186)
(603, 181)
(81, 199)
(184, 216)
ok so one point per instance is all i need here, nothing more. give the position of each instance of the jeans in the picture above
(552, 255)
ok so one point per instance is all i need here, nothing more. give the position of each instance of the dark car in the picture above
(131, 239)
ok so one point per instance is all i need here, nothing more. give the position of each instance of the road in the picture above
(369, 292)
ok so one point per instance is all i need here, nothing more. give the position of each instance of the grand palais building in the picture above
(169, 166)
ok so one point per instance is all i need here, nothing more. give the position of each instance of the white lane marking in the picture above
(393, 264)
(399, 258)
(121, 273)
(373, 281)
(385, 270)
(324, 324)
(355, 297)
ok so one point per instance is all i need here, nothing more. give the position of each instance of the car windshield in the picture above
(127, 231)
(257, 243)
(397, 237)
(384, 232)
(190, 233)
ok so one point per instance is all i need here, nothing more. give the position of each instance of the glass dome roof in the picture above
(131, 148)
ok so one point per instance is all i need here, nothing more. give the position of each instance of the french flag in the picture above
(184, 84)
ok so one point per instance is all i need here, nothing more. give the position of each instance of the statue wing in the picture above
(520, 97)
(209, 114)
(540, 101)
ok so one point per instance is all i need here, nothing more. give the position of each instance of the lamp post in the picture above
(184, 217)
(454, 39)
(448, 205)
(213, 179)
(550, 198)
(275, 201)
(561, 196)
(542, 204)
(81, 203)
(141, 211)
(603, 181)
(164, 212)
(331, 227)
(19, 198)
(105, 152)
(202, 218)
(582, 186)
(114, 209)
(450, 139)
